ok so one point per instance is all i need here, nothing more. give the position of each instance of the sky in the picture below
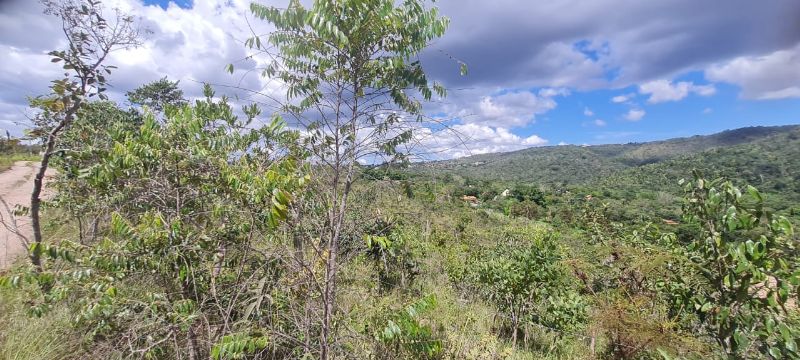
(540, 72)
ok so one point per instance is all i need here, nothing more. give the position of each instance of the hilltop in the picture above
(571, 164)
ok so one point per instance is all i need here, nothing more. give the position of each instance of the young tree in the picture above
(183, 264)
(745, 256)
(528, 284)
(352, 80)
(90, 38)
(81, 146)
(157, 95)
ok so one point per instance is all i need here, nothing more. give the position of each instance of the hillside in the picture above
(770, 163)
(569, 165)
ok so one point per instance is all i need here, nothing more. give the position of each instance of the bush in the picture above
(527, 209)
(528, 284)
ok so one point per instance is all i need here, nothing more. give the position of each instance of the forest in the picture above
(168, 227)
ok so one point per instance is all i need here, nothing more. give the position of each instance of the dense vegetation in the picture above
(570, 164)
(179, 229)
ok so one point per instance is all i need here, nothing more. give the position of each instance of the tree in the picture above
(82, 146)
(157, 95)
(91, 38)
(528, 284)
(352, 82)
(744, 255)
(527, 209)
(529, 193)
(183, 263)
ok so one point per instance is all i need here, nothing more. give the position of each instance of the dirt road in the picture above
(16, 184)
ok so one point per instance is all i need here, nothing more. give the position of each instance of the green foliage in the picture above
(406, 336)
(527, 283)
(191, 201)
(353, 79)
(529, 193)
(26, 338)
(743, 253)
(8, 159)
(607, 164)
(158, 95)
(83, 145)
(238, 346)
(527, 209)
(367, 47)
(199, 235)
(387, 247)
(12, 148)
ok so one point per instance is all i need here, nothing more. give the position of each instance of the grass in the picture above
(26, 337)
(7, 160)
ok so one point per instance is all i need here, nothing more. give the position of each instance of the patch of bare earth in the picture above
(16, 185)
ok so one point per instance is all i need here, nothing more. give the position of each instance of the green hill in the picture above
(570, 165)
(771, 163)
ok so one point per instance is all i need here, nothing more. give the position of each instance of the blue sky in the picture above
(693, 115)
(186, 4)
(540, 73)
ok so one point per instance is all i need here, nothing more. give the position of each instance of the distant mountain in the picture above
(573, 165)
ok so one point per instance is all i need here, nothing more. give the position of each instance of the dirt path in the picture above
(16, 184)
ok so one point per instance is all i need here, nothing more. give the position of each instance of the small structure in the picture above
(505, 193)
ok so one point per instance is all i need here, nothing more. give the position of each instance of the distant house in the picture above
(505, 193)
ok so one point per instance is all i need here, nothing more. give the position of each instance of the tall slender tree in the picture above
(354, 82)
(90, 39)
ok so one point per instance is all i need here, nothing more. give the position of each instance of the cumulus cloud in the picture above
(506, 110)
(189, 45)
(471, 139)
(564, 43)
(664, 90)
(588, 112)
(634, 114)
(772, 76)
(599, 122)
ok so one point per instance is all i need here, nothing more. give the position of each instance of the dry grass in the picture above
(6, 160)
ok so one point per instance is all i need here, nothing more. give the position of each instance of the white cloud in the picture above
(704, 90)
(509, 110)
(707, 111)
(599, 122)
(588, 112)
(664, 90)
(622, 98)
(634, 114)
(772, 76)
(471, 139)
(508, 42)
(189, 45)
(550, 92)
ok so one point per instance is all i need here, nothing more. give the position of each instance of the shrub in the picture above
(528, 284)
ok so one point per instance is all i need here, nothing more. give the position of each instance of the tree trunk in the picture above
(38, 182)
